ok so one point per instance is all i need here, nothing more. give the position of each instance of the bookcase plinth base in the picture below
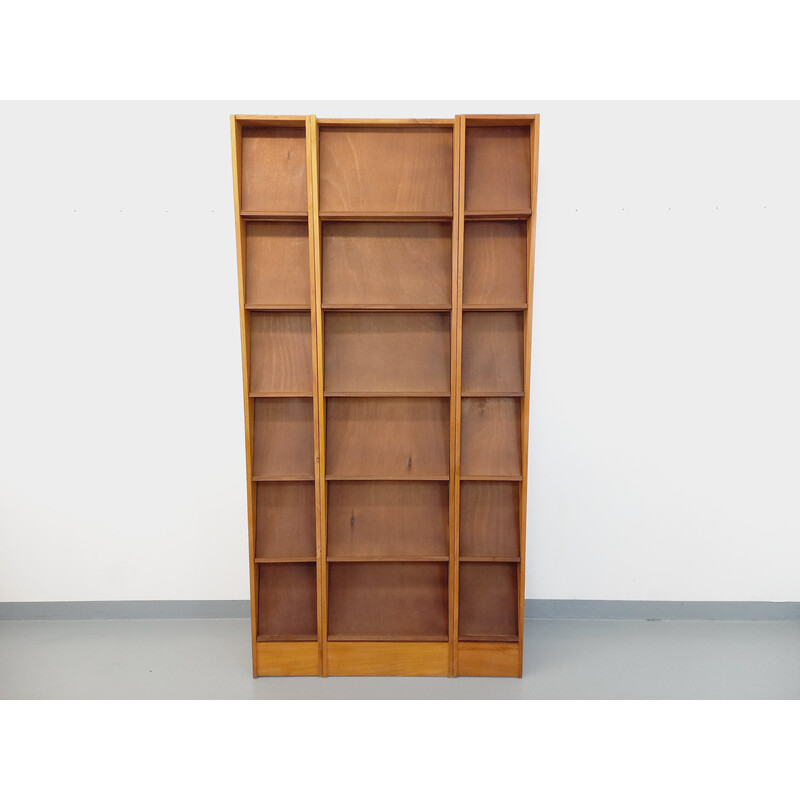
(489, 659)
(287, 658)
(388, 658)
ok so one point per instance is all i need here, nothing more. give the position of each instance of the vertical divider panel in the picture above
(317, 327)
(523, 494)
(458, 292)
(244, 318)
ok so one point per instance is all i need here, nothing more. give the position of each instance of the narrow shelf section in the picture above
(288, 560)
(278, 216)
(287, 637)
(408, 559)
(492, 559)
(257, 478)
(386, 216)
(387, 307)
(276, 307)
(387, 394)
(514, 213)
(491, 477)
(334, 477)
(281, 394)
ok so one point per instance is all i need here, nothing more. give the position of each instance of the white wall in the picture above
(665, 450)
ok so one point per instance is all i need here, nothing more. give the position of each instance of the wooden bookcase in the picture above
(385, 289)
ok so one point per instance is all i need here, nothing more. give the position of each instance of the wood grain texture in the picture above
(487, 600)
(492, 351)
(395, 600)
(498, 168)
(386, 263)
(386, 352)
(386, 519)
(388, 437)
(274, 169)
(489, 519)
(283, 437)
(277, 264)
(287, 601)
(285, 520)
(490, 436)
(492, 659)
(386, 169)
(388, 658)
(495, 263)
(281, 351)
(244, 327)
(286, 658)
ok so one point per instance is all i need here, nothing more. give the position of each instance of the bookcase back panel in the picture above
(492, 352)
(391, 601)
(285, 520)
(489, 519)
(386, 263)
(387, 519)
(280, 351)
(385, 169)
(283, 437)
(498, 168)
(487, 601)
(287, 601)
(274, 170)
(277, 264)
(495, 263)
(387, 352)
(398, 438)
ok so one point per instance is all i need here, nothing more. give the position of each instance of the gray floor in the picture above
(564, 659)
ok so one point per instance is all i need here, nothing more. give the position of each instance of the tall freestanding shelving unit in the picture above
(385, 286)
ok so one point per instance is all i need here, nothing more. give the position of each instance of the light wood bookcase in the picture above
(385, 291)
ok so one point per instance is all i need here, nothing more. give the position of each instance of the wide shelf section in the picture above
(387, 601)
(387, 265)
(388, 352)
(385, 520)
(386, 216)
(392, 438)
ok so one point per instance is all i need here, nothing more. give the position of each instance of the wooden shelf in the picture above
(386, 559)
(385, 216)
(491, 559)
(283, 438)
(491, 477)
(281, 394)
(287, 560)
(333, 477)
(385, 307)
(509, 214)
(386, 638)
(287, 637)
(279, 307)
(287, 602)
(387, 394)
(276, 216)
(259, 478)
(494, 306)
(492, 394)
(489, 514)
(466, 637)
